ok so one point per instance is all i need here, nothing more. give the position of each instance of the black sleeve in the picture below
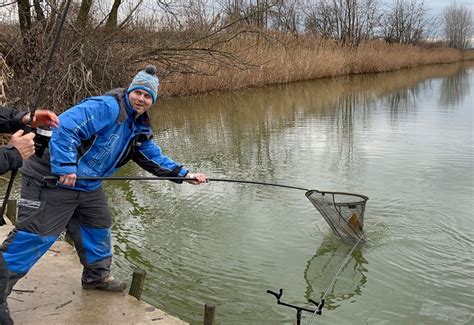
(10, 120)
(10, 159)
(155, 169)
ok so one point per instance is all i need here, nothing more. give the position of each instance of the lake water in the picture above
(404, 139)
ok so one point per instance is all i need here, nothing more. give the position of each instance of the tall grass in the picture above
(289, 59)
(93, 62)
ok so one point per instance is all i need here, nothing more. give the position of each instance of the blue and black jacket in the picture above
(96, 137)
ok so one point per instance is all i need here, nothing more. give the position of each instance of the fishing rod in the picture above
(42, 134)
(159, 178)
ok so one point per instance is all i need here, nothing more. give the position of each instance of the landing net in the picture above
(344, 212)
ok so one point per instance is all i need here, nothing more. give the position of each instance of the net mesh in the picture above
(344, 212)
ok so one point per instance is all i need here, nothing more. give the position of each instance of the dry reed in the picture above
(291, 59)
(96, 62)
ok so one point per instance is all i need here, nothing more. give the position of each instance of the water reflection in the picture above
(401, 101)
(279, 107)
(324, 265)
(325, 118)
(455, 88)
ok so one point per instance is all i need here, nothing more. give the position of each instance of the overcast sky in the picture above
(436, 6)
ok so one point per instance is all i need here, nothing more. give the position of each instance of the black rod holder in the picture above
(299, 310)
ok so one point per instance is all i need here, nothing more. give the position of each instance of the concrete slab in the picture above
(51, 293)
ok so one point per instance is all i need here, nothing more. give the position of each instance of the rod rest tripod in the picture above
(299, 310)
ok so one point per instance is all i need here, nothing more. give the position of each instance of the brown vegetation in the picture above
(305, 58)
(92, 63)
(200, 50)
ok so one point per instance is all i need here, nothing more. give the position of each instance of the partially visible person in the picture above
(95, 138)
(20, 148)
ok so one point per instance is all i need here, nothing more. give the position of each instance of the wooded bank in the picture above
(92, 66)
(200, 49)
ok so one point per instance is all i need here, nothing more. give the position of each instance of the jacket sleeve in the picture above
(150, 157)
(79, 123)
(10, 120)
(10, 159)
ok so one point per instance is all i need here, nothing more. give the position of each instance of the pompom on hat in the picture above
(147, 81)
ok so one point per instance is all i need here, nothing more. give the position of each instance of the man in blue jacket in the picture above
(20, 147)
(95, 138)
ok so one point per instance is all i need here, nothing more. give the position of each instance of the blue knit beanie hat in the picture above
(147, 81)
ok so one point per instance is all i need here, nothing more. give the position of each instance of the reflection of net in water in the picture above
(321, 269)
(344, 212)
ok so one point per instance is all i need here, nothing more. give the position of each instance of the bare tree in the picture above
(256, 12)
(251, 12)
(318, 20)
(230, 9)
(24, 15)
(198, 18)
(286, 16)
(458, 25)
(179, 37)
(349, 21)
(405, 22)
(39, 11)
(83, 15)
(111, 23)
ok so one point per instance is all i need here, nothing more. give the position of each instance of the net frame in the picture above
(343, 211)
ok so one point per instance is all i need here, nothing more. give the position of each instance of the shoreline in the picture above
(50, 295)
(310, 61)
(217, 92)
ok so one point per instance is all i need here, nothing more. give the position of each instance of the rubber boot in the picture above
(109, 284)
(5, 318)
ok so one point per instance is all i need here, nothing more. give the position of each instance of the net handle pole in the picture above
(159, 178)
(54, 179)
(257, 183)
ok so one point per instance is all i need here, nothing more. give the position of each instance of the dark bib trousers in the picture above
(5, 318)
(43, 213)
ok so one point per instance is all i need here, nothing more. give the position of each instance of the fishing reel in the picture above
(42, 137)
(41, 140)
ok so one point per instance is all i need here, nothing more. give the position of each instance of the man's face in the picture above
(140, 100)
